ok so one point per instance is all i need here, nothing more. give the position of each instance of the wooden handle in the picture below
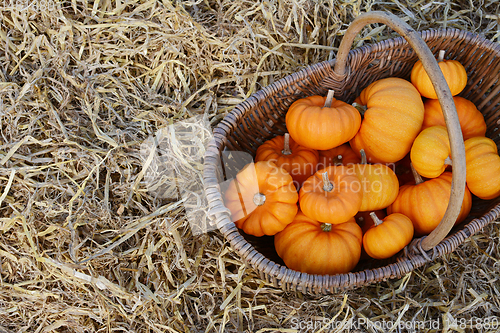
(445, 99)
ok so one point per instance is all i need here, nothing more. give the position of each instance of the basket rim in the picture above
(289, 279)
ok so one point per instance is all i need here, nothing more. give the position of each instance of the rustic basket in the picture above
(262, 116)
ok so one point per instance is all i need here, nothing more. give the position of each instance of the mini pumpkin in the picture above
(312, 247)
(332, 195)
(430, 153)
(322, 123)
(262, 199)
(425, 203)
(388, 236)
(483, 167)
(299, 161)
(453, 71)
(392, 120)
(341, 155)
(379, 184)
(471, 119)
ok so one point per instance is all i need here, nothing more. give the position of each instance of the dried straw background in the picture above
(83, 83)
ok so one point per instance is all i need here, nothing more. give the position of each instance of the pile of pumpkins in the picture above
(329, 190)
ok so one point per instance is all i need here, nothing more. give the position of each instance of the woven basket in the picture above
(262, 117)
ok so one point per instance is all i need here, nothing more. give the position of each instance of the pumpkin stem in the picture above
(447, 161)
(361, 108)
(441, 55)
(363, 156)
(327, 184)
(375, 219)
(329, 99)
(326, 227)
(259, 199)
(286, 146)
(416, 176)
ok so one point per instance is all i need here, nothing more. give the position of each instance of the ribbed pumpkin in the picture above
(470, 118)
(299, 161)
(392, 120)
(332, 195)
(425, 202)
(483, 167)
(312, 247)
(453, 71)
(262, 199)
(322, 123)
(379, 184)
(430, 153)
(341, 155)
(388, 236)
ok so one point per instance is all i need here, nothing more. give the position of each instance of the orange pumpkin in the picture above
(483, 167)
(425, 202)
(388, 236)
(453, 71)
(365, 221)
(322, 123)
(392, 120)
(379, 184)
(299, 161)
(312, 247)
(341, 155)
(430, 153)
(262, 199)
(470, 118)
(332, 195)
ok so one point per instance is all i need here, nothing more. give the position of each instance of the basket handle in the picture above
(445, 99)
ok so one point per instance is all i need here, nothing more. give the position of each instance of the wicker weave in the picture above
(262, 116)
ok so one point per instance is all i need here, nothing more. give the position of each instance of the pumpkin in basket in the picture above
(262, 199)
(471, 119)
(341, 155)
(430, 153)
(387, 236)
(425, 202)
(453, 71)
(379, 184)
(322, 123)
(332, 195)
(392, 120)
(309, 246)
(483, 167)
(299, 161)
